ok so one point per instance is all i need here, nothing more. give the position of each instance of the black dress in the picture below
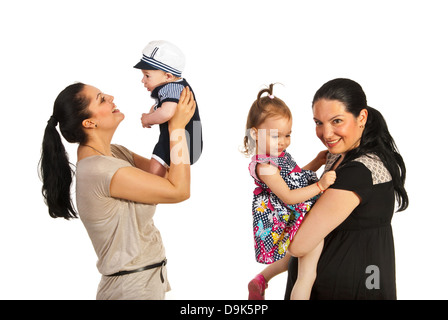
(358, 259)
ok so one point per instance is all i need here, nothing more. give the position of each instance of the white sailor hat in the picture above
(162, 55)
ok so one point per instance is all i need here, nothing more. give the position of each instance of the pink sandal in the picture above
(256, 287)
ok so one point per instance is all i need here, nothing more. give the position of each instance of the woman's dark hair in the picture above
(375, 139)
(70, 109)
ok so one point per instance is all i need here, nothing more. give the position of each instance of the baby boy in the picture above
(162, 65)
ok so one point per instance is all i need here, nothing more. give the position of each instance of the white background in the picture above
(395, 49)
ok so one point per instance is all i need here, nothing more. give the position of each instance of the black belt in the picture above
(151, 266)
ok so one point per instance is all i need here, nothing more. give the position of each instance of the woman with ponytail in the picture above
(354, 215)
(115, 193)
(56, 171)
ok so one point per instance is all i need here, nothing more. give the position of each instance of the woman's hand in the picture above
(321, 157)
(317, 162)
(184, 111)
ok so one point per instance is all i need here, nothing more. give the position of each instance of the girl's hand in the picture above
(184, 111)
(327, 179)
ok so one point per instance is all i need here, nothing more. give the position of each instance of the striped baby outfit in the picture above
(170, 92)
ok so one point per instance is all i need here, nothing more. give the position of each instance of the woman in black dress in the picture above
(354, 214)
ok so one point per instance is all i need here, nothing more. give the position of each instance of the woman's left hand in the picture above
(184, 111)
(321, 157)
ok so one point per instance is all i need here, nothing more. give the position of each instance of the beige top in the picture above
(122, 232)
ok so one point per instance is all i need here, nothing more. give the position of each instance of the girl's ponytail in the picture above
(56, 173)
(264, 107)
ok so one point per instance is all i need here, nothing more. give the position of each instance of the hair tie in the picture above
(271, 96)
(52, 121)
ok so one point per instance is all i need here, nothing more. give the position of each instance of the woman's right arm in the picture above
(136, 185)
(332, 208)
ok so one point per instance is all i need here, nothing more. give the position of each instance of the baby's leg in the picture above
(155, 167)
(307, 274)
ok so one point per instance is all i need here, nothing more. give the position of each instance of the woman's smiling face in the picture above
(102, 108)
(338, 129)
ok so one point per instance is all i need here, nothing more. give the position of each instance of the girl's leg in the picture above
(307, 274)
(276, 268)
(258, 285)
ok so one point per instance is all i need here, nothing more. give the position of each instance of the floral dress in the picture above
(275, 223)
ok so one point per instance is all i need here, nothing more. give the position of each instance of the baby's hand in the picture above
(145, 122)
(327, 179)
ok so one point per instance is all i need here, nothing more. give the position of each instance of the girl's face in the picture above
(102, 108)
(273, 136)
(338, 129)
(154, 78)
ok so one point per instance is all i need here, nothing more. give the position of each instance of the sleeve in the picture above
(103, 173)
(170, 92)
(261, 159)
(93, 179)
(354, 176)
(123, 153)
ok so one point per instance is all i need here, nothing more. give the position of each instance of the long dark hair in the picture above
(375, 139)
(56, 173)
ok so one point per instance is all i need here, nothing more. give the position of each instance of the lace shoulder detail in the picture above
(379, 172)
(331, 159)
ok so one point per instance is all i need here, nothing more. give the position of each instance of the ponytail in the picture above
(376, 139)
(56, 172)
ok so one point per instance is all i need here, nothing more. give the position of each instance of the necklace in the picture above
(94, 149)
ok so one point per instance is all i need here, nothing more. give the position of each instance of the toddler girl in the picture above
(284, 193)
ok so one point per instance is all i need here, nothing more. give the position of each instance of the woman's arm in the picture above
(270, 175)
(332, 208)
(134, 184)
(141, 163)
(317, 162)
